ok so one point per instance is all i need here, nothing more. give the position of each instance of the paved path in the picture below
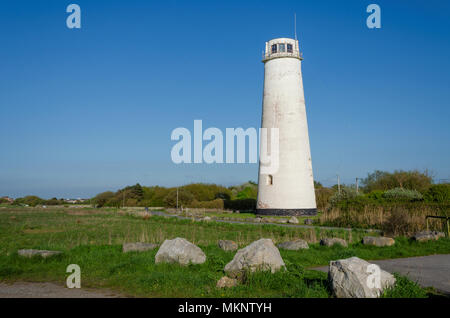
(433, 270)
(263, 223)
(49, 290)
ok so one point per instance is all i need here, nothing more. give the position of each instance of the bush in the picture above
(101, 199)
(248, 190)
(345, 194)
(376, 195)
(53, 201)
(398, 223)
(184, 198)
(401, 194)
(207, 192)
(240, 205)
(30, 200)
(213, 204)
(323, 196)
(412, 180)
(404, 288)
(438, 193)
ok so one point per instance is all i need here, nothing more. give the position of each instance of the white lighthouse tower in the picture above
(290, 189)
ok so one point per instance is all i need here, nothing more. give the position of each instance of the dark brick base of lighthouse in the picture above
(287, 212)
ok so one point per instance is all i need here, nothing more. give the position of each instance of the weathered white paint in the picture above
(284, 107)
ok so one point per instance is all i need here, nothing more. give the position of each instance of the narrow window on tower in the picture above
(282, 47)
(269, 179)
(289, 48)
(274, 48)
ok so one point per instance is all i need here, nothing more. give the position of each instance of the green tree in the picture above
(317, 185)
(412, 180)
(30, 200)
(184, 198)
(438, 193)
(101, 199)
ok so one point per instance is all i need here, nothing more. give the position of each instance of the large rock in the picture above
(353, 278)
(228, 245)
(226, 282)
(42, 253)
(179, 250)
(428, 235)
(378, 241)
(259, 255)
(207, 218)
(294, 245)
(331, 241)
(293, 220)
(309, 221)
(138, 247)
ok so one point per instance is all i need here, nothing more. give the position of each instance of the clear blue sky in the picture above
(84, 111)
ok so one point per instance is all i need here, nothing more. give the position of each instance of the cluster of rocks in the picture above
(367, 240)
(351, 277)
(292, 220)
(259, 255)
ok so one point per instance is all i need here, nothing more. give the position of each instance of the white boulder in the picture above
(355, 278)
(259, 255)
(293, 220)
(181, 251)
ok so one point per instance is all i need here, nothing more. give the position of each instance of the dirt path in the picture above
(49, 290)
(432, 270)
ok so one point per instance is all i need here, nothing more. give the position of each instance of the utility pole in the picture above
(177, 198)
(339, 185)
(123, 200)
(357, 185)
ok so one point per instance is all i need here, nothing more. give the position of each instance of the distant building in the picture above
(10, 200)
(75, 201)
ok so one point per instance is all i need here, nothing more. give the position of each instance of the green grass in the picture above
(224, 216)
(93, 238)
(405, 288)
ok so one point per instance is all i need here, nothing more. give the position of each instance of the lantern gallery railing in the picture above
(267, 56)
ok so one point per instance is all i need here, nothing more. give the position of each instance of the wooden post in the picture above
(448, 229)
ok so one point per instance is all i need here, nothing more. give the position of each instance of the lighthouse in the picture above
(289, 190)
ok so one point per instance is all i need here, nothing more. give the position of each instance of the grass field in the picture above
(92, 238)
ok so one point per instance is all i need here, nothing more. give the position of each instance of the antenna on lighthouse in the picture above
(295, 26)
